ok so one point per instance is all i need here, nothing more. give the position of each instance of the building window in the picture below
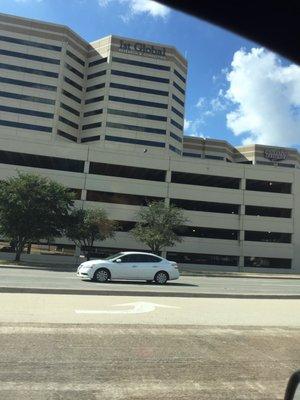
(138, 102)
(71, 96)
(93, 112)
(174, 149)
(176, 137)
(175, 111)
(211, 157)
(91, 126)
(203, 259)
(33, 71)
(205, 180)
(135, 128)
(26, 98)
(26, 112)
(96, 74)
(72, 83)
(187, 154)
(90, 139)
(206, 206)
(178, 88)
(134, 141)
(95, 87)
(30, 43)
(179, 76)
(94, 100)
(210, 233)
(275, 237)
(268, 186)
(138, 89)
(125, 226)
(266, 262)
(70, 109)
(178, 100)
(136, 115)
(178, 126)
(75, 58)
(141, 63)
(274, 212)
(67, 122)
(120, 198)
(31, 57)
(74, 70)
(98, 62)
(125, 171)
(22, 125)
(28, 84)
(139, 76)
(37, 161)
(66, 135)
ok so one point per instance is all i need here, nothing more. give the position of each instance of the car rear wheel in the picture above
(161, 277)
(102, 275)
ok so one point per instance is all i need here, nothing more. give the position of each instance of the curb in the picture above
(146, 294)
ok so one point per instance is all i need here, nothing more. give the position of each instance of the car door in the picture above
(122, 267)
(145, 266)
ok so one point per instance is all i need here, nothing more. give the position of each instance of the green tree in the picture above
(32, 208)
(87, 226)
(157, 224)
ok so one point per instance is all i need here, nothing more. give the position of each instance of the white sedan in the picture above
(130, 265)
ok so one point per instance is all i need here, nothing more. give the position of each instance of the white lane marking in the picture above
(139, 307)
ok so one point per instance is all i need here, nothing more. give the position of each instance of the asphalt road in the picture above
(48, 279)
(71, 347)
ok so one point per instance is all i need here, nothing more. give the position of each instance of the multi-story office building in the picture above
(106, 120)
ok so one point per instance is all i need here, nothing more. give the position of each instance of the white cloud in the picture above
(200, 102)
(266, 96)
(136, 7)
(187, 124)
(192, 127)
(217, 104)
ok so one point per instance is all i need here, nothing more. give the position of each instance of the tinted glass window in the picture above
(179, 76)
(75, 58)
(150, 259)
(178, 100)
(268, 186)
(95, 74)
(95, 87)
(126, 171)
(134, 141)
(138, 89)
(26, 98)
(72, 83)
(29, 57)
(28, 84)
(40, 114)
(74, 70)
(26, 126)
(90, 139)
(178, 87)
(205, 180)
(29, 70)
(70, 109)
(136, 115)
(66, 135)
(94, 100)
(139, 76)
(71, 96)
(135, 128)
(93, 112)
(97, 62)
(138, 102)
(33, 160)
(30, 43)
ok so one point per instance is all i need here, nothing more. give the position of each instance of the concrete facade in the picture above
(105, 119)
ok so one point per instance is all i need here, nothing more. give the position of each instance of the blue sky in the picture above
(236, 90)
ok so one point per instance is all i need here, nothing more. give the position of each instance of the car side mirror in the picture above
(293, 387)
(118, 260)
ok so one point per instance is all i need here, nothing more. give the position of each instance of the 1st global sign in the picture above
(142, 49)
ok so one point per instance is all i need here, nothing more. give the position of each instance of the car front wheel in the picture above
(161, 277)
(102, 275)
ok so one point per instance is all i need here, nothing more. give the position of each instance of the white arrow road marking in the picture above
(139, 307)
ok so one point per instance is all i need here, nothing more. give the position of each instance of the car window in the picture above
(126, 258)
(149, 258)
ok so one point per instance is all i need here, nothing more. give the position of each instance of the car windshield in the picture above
(114, 256)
